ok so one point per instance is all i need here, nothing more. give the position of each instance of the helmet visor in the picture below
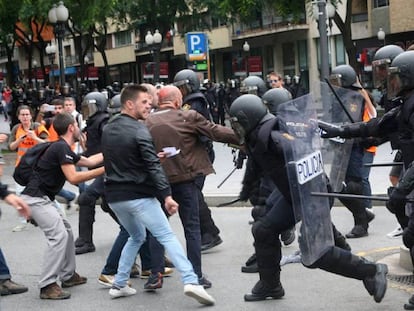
(335, 79)
(238, 129)
(394, 83)
(89, 108)
(380, 72)
(245, 89)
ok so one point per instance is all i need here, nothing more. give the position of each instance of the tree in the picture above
(9, 12)
(242, 10)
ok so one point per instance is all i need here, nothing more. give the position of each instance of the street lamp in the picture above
(51, 53)
(246, 49)
(34, 64)
(381, 35)
(153, 41)
(322, 10)
(58, 16)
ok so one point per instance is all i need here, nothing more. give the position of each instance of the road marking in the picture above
(378, 250)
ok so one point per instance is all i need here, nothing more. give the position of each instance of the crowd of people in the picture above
(167, 133)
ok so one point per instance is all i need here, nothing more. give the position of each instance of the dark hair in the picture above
(62, 121)
(131, 92)
(57, 102)
(20, 108)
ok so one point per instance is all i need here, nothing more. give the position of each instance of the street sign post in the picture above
(196, 46)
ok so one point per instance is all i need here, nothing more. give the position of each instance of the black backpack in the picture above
(27, 165)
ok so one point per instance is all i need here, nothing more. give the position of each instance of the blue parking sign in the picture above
(196, 44)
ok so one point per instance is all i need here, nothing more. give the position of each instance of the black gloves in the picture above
(396, 201)
(330, 130)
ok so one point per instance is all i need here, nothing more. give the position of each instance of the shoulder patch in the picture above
(186, 107)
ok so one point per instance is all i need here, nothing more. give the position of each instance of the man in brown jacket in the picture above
(177, 133)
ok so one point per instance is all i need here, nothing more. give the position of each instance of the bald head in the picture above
(170, 96)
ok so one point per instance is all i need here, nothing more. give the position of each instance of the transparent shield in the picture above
(302, 146)
(379, 73)
(343, 107)
(394, 83)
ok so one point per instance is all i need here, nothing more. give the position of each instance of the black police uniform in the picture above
(264, 148)
(87, 199)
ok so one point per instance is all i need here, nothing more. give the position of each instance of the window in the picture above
(381, 3)
(340, 50)
(122, 38)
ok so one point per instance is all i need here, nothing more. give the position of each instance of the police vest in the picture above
(94, 128)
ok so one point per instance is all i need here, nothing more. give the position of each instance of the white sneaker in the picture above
(20, 227)
(122, 292)
(396, 233)
(198, 293)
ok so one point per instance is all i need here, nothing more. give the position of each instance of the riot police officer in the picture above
(356, 177)
(94, 107)
(265, 142)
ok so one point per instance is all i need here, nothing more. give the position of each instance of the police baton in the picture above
(227, 177)
(384, 164)
(228, 203)
(339, 100)
(353, 196)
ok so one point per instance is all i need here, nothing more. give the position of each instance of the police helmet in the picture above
(246, 112)
(382, 59)
(274, 97)
(115, 104)
(401, 74)
(187, 78)
(344, 76)
(94, 102)
(253, 85)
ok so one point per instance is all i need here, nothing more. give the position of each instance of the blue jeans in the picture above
(146, 213)
(4, 269)
(111, 265)
(186, 195)
(67, 195)
(367, 159)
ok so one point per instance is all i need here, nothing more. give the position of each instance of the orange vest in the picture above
(53, 136)
(366, 117)
(28, 142)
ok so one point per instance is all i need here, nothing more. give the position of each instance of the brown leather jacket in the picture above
(182, 129)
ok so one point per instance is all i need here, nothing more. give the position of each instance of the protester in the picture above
(132, 184)
(54, 167)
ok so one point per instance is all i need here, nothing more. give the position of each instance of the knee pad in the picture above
(85, 199)
(258, 211)
(263, 233)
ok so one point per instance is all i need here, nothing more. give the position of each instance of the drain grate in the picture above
(403, 279)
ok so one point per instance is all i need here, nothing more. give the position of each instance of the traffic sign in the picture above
(196, 45)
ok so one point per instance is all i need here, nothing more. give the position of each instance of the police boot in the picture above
(85, 232)
(410, 304)
(250, 265)
(339, 261)
(361, 220)
(268, 287)
(340, 240)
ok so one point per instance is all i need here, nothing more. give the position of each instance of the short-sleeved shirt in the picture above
(49, 177)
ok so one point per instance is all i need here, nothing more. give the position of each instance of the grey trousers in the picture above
(59, 258)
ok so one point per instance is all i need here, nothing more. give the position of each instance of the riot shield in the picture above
(302, 147)
(344, 106)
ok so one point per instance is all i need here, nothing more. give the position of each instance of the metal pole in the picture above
(157, 63)
(60, 33)
(324, 52)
